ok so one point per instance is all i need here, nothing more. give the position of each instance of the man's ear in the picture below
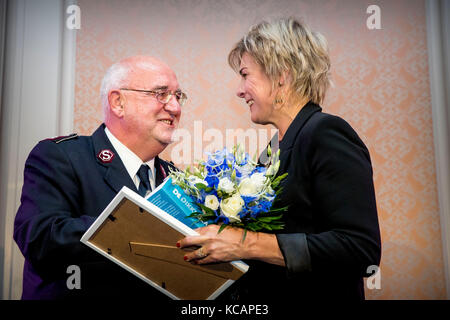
(116, 103)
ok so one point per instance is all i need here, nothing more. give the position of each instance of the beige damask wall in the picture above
(381, 88)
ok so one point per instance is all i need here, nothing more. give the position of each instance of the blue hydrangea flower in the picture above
(212, 181)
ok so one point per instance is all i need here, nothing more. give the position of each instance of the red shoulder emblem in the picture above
(105, 156)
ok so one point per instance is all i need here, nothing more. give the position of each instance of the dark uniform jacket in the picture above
(68, 182)
(331, 233)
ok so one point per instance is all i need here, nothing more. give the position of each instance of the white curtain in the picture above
(37, 103)
(438, 37)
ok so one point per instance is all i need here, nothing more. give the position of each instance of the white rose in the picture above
(226, 185)
(231, 207)
(253, 185)
(212, 202)
(247, 187)
(258, 179)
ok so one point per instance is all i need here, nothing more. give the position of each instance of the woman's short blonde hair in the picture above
(288, 45)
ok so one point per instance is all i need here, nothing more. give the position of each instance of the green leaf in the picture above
(268, 219)
(222, 227)
(253, 226)
(200, 186)
(195, 214)
(272, 211)
(279, 191)
(278, 180)
(244, 235)
(206, 209)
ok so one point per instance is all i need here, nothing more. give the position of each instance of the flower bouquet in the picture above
(232, 190)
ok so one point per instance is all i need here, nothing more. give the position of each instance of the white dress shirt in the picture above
(131, 161)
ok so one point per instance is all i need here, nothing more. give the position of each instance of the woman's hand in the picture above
(228, 245)
(215, 247)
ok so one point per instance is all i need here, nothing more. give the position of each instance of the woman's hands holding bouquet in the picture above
(230, 245)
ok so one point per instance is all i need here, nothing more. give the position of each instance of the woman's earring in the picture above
(278, 100)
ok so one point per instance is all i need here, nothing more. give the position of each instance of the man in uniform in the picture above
(68, 182)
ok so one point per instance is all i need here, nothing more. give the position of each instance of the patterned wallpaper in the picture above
(381, 87)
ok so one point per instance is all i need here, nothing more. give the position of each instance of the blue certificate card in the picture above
(173, 200)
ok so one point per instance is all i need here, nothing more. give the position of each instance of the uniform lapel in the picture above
(161, 171)
(116, 176)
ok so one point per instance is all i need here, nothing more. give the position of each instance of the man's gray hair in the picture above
(118, 76)
(114, 79)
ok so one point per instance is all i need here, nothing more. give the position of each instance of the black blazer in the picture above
(66, 187)
(332, 234)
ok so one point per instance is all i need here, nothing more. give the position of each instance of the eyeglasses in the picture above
(164, 96)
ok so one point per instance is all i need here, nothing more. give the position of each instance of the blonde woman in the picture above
(331, 233)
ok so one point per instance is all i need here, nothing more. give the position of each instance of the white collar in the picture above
(130, 160)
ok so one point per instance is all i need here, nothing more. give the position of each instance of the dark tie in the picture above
(144, 184)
